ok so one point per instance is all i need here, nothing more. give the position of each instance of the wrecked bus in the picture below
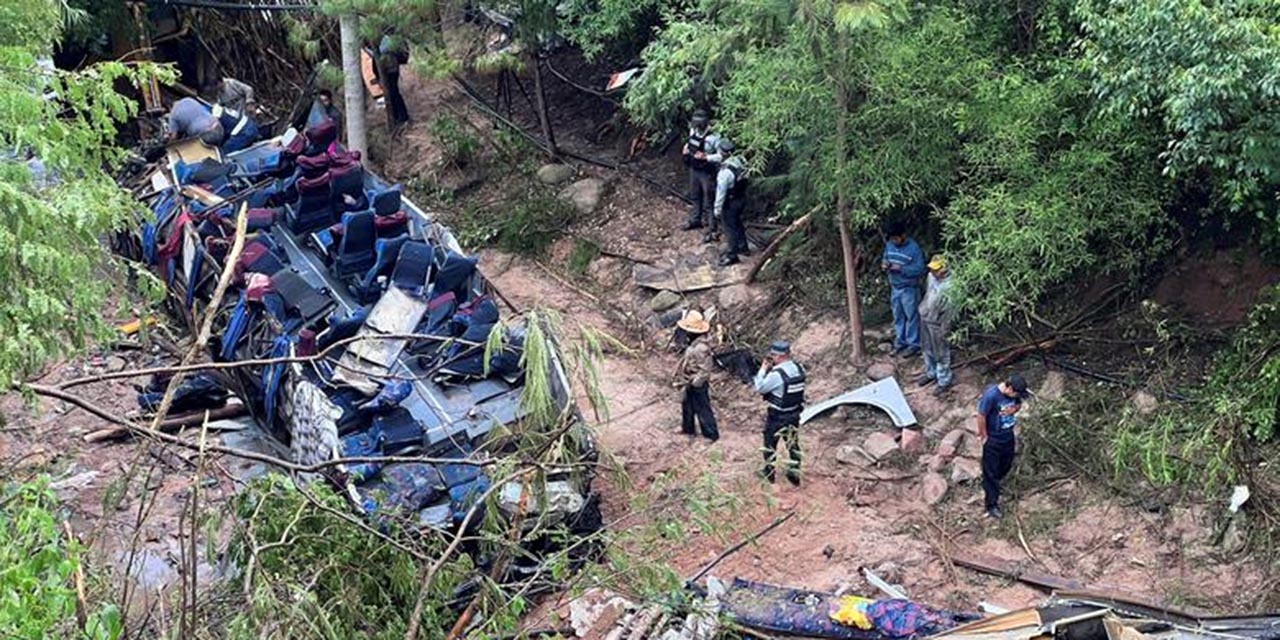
(365, 328)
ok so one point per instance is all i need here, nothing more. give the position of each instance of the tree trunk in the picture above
(851, 288)
(842, 219)
(353, 84)
(544, 120)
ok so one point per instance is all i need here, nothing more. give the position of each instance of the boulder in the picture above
(912, 441)
(584, 194)
(1144, 402)
(933, 488)
(554, 173)
(965, 470)
(950, 443)
(881, 370)
(849, 454)
(663, 301)
(879, 445)
(936, 463)
(737, 296)
(116, 364)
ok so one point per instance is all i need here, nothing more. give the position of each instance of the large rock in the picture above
(849, 454)
(663, 301)
(933, 488)
(912, 441)
(881, 370)
(936, 463)
(879, 446)
(737, 296)
(965, 470)
(584, 194)
(1144, 402)
(950, 443)
(554, 173)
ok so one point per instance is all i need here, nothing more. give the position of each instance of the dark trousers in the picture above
(734, 229)
(397, 111)
(782, 426)
(696, 404)
(702, 190)
(997, 459)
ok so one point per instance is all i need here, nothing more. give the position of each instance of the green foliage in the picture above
(1205, 70)
(528, 225)
(50, 293)
(456, 143)
(617, 27)
(308, 573)
(584, 252)
(39, 562)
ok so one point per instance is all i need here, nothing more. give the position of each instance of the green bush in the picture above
(583, 253)
(458, 146)
(311, 573)
(38, 567)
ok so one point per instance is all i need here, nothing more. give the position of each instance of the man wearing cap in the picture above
(693, 373)
(935, 325)
(997, 417)
(904, 263)
(781, 382)
(731, 200)
(700, 155)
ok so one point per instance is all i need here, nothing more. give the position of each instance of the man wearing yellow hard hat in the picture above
(935, 326)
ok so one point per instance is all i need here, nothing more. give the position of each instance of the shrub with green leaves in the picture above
(37, 577)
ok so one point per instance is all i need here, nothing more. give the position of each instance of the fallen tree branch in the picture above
(731, 550)
(260, 362)
(171, 425)
(769, 251)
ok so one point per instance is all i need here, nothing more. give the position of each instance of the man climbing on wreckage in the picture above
(781, 382)
(997, 417)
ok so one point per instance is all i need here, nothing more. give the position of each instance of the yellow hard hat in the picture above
(938, 263)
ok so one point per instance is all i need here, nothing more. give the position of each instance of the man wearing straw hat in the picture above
(781, 382)
(694, 374)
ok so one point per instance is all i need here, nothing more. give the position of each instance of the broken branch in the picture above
(769, 251)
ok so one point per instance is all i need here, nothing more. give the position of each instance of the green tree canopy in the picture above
(57, 197)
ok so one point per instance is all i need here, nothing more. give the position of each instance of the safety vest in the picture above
(241, 120)
(739, 189)
(698, 142)
(792, 398)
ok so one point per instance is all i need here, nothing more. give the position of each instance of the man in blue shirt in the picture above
(997, 417)
(904, 263)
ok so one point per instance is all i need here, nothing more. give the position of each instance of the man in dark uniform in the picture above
(781, 382)
(731, 200)
(391, 54)
(701, 154)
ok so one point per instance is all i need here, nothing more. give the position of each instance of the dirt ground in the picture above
(1067, 526)
(844, 519)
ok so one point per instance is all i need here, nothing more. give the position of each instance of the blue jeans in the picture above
(937, 353)
(906, 317)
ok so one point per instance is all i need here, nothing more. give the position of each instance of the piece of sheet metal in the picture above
(397, 312)
(884, 395)
(687, 273)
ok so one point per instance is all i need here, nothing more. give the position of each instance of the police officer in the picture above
(700, 155)
(731, 201)
(781, 382)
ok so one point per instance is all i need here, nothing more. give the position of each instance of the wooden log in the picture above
(1013, 571)
(769, 251)
(171, 425)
